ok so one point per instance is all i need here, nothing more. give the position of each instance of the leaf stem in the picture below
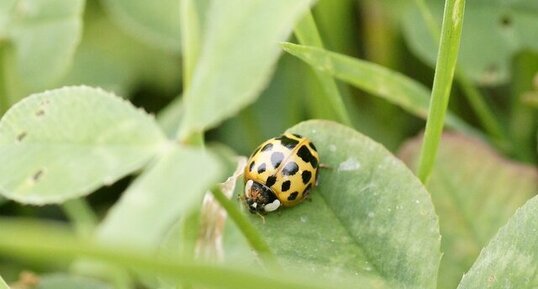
(307, 33)
(255, 240)
(81, 215)
(444, 73)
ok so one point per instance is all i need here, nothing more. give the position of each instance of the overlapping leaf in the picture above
(65, 143)
(44, 35)
(511, 258)
(501, 28)
(157, 24)
(241, 46)
(475, 191)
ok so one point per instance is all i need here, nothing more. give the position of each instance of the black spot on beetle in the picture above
(305, 154)
(290, 169)
(312, 146)
(306, 175)
(293, 196)
(286, 185)
(276, 159)
(271, 180)
(251, 166)
(261, 168)
(287, 142)
(40, 112)
(297, 135)
(37, 175)
(21, 136)
(267, 147)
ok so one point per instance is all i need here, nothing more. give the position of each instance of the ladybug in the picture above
(280, 172)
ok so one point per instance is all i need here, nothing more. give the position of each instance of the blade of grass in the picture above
(81, 215)
(395, 87)
(474, 96)
(49, 243)
(250, 232)
(444, 73)
(307, 33)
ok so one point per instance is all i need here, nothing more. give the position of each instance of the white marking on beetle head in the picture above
(272, 206)
(254, 205)
(248, 186)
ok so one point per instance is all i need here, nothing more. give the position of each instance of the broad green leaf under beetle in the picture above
(473, 198)
(369, 214)
(65, 143)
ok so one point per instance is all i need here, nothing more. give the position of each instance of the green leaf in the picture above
(395, 87)
(65, 143)
(238, 54)
(370, 214)
(475, 191)
(3, 284)
(64, 281)
(504, 27)
(157, 24)
(511, 258)
(162, 194)
(44, 35)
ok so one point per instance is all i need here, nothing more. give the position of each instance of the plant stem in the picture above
(444, 73)
(255, 240)
(191, 42)
(479, 105)
(46, 243)
(190, 39)
(81, 215)
(474, 97)
(307, 33)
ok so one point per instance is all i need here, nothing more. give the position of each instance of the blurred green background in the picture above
(132, 48)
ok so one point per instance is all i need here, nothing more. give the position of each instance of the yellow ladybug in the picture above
(280, 172)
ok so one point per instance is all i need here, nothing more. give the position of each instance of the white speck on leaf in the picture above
(370, 214)
(350, 164)
(303, 219)
(332, 148)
